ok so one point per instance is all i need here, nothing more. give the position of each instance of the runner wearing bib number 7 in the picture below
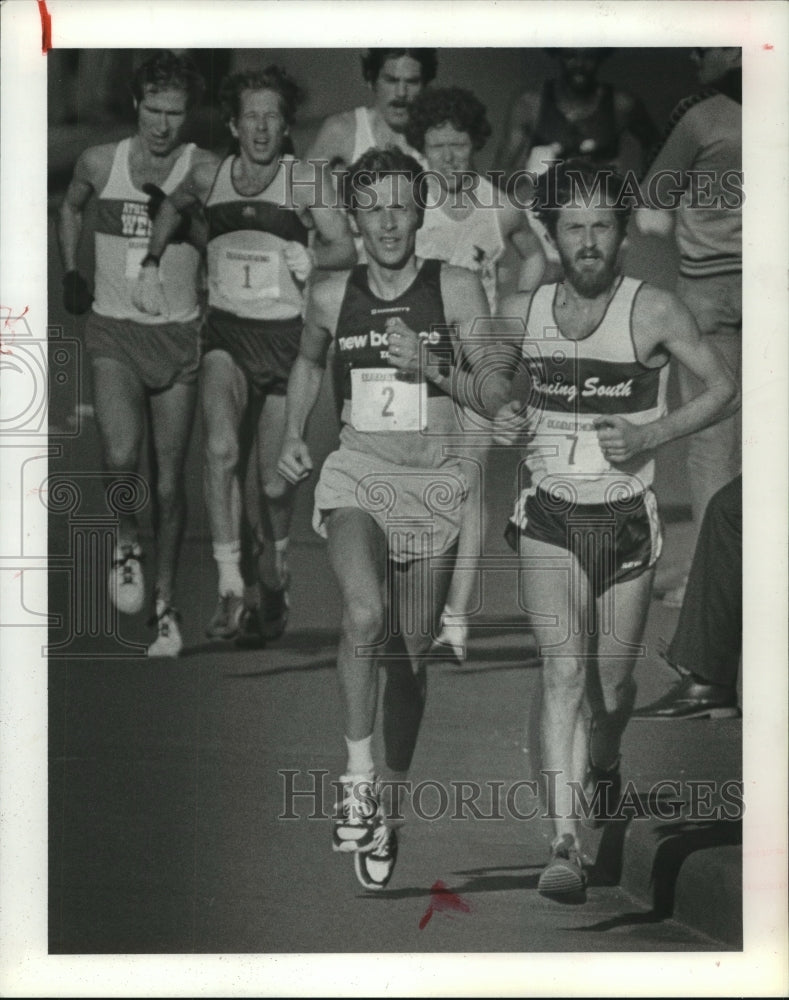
(389, 500)
(260, 206)
(596, 347)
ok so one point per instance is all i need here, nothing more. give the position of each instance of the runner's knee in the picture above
(363, 619)
(563, 672)
(221, 450)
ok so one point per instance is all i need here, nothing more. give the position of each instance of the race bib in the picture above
(581, 452)
(248, 274)
(382, 401)
(136, 249)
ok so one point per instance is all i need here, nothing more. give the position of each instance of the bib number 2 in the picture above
(380, 401)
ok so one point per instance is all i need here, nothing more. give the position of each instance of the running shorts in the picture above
(418, 509)
(613, 541)
(264, 350)
(160, 354)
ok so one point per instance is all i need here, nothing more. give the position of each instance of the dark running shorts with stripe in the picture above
(264, 350)
(160, 354)
(613, 542)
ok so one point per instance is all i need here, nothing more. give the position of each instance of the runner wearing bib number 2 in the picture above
(389, 500)
(141, 363)
(260, 206)
(596, 347)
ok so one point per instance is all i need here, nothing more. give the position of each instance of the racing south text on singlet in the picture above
(575, 381)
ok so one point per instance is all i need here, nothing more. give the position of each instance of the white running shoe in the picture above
(168, 642)
(357, 816)
(374, 867)
(227, 618)
(126, 582)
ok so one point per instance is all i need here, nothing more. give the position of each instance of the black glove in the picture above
(157, 196)
(76, 294)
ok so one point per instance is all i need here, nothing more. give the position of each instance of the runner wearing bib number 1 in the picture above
(389, 500)
(260, 206)
(596, 347)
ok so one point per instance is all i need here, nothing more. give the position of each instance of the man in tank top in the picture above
(596, 347)
(139, 361)
(395, 77)
(389, 500)
(260, 205)
(468, 223)
(572, 115)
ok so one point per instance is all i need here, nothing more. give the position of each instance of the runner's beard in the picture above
(590, 284)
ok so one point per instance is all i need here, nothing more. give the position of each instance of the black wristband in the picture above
(150, 258)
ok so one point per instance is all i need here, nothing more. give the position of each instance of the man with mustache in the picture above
(596, 347)
(395, 77)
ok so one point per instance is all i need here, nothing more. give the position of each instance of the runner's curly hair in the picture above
(271, 78)
(447, 106)
(167, 71)
(577, 183)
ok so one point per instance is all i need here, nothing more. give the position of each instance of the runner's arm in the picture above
(305, 379)
(661, 322)
(193, 191)
(518, 135)
(83, 184)
(484, 384)
(334, 139)
(314, 189)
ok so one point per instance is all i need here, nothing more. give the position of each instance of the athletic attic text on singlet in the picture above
(474, 242)
(247, 273)
(387, 413)
(599, 126)
(123, 230)
(576, 381)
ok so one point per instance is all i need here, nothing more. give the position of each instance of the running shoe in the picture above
(126, 582)
(274, 610)
(249, 634)
(357, 818)
(563, 876)
(168, 641)
(227, 617)
(374, 867)
(454, 633)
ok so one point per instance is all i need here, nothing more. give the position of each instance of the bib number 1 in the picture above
(382, 401)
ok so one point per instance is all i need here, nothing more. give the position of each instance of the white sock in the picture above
(360, 757)
(228, 561)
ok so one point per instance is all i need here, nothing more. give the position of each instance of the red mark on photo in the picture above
(46, 26)
(7, 333)
(442, 900)
(768, 47)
